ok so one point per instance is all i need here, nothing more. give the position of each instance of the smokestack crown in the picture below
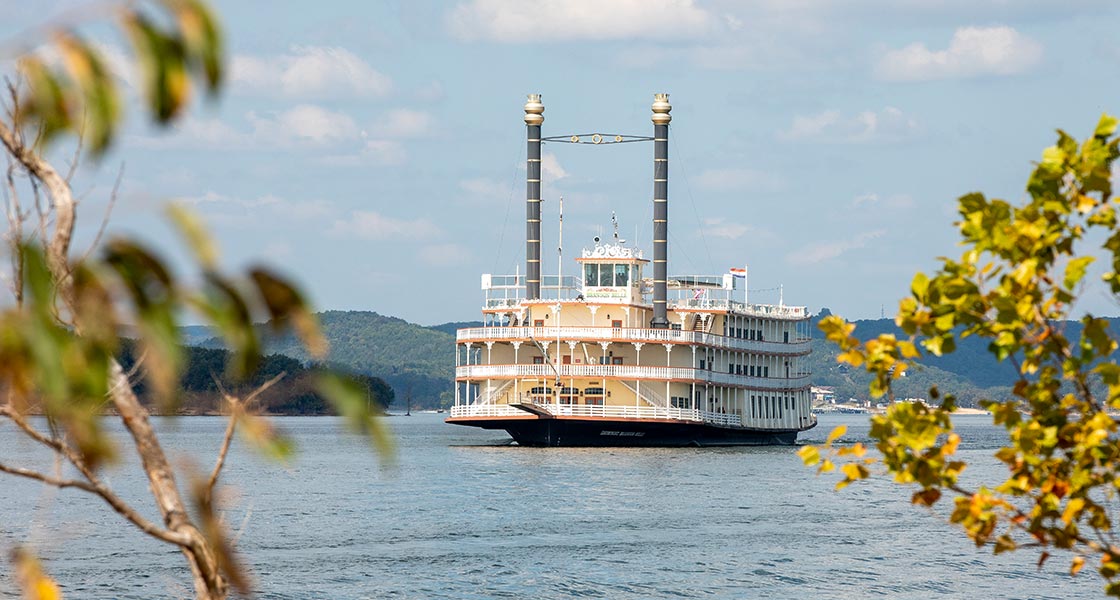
(661, 108)
(534, 110)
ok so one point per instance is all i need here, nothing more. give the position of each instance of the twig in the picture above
(47, 479)
(208, 492)
(108, 211)
(76, 159)
(92, 484)
(264, 386)
(235, 413)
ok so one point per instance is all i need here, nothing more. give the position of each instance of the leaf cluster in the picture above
(1016, 282)
(170, 39)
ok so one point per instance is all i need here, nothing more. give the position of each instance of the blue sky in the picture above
(375, 150)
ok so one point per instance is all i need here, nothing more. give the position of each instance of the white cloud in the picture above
(372, 225)
(404, 123)
(310, 71)
(876, 202)
(561, 20)
(306, 122)
(445, 255)
(738, 179)
(376, 152)
(486, 188)
(887, 125)
(973, 52)
(719, 227)
(214, 204)
(551, 169)
(823, 251)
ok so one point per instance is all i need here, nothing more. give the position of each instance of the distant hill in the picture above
(453, 327)
(416, 361)
(294, 396)
(970, 372)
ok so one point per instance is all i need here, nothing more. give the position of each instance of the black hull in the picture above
(574, 432)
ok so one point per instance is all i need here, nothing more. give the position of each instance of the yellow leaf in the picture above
(1073, 509)
(1076, 565)
(810, 455)
(854, 471)
(836, 433)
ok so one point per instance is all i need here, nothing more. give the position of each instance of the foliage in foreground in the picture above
(1016, 282)
(60, 337)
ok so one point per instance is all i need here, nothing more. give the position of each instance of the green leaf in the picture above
(202, 40)
(198, 239)
(355, 405)
(1075, 270)
(286, 305)
(162, 60)
(47, 100)
(101, 106)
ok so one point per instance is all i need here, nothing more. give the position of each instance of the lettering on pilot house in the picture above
(623, 433)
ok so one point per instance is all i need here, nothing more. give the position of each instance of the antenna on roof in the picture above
(614, 221)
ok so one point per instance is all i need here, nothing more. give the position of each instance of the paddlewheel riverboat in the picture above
(613, 358)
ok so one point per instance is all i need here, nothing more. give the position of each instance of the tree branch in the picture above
(61, 199)
(236, 406)
(47, 479)
(92, 484)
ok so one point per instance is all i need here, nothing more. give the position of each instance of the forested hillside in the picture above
(416, 361)
(970, 372)
(295, 395)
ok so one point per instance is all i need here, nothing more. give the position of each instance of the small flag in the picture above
(738, 272)
(696, 294)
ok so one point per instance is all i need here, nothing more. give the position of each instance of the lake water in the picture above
(463, 515)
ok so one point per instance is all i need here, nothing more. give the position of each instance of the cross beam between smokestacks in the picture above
(534, 116)
(661, 118)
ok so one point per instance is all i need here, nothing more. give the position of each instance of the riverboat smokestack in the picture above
(661, 118)
(534, 116)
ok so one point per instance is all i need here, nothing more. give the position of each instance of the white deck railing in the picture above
(477, 372)
(582, 410)
(631, 335)
(681, 304)
(753, 310)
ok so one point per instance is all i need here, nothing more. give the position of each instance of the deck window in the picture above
(591, 274)
(606, 275)
(621, 275)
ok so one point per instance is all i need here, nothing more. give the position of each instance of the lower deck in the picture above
(534, 426)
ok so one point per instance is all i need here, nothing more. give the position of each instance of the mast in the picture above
(661, 118)
(534, 116)
(559, 286)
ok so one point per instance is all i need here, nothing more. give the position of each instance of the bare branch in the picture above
(61, 199)
(263, 387)
(92, 484)
(161, 480)
(236, 407)
(76, 159)
(108, 211)
(47, 479)
(235, 413)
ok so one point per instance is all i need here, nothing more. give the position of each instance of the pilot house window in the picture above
(609, 275)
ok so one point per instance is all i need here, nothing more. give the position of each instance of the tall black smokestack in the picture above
(661, 118)
(534, 116)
